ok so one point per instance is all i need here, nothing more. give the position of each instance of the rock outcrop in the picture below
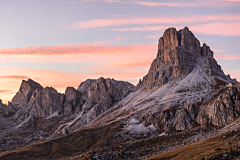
(179, 52)
(98, 96)
(10, 109)
(25, 92)
(1, 104)
(84, 86)
(42, 103)
(220, 111)
(73, 101)
(103, 93)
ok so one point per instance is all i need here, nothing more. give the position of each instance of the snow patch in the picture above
(133, 121)
(163, 134)
(196, 80)
(55, 114)
(140, 128)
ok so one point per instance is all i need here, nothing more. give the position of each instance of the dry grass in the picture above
(195, 151)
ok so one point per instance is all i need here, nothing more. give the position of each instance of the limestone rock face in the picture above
(206, 51)
(10, 109)
(73, 101)
(223, 110)
(96, 96)
(43, 102)
(84, 86)
(103, 93)
(179, 52)
(220, 111)
(189, 41)
(25, 92)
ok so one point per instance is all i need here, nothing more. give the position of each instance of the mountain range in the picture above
(185, 97)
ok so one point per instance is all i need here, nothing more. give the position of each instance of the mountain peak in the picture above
(173, 38)
(25, 91)
(179, 52)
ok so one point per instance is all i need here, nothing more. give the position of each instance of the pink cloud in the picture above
(233, 0)
(233, 73)
(216, 28)
(146, 28)
(218, 51)
(227, 56)
(153, 4)
(152, 20)
(209, 3)
(220, 28)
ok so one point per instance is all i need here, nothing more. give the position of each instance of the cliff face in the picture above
(99, 95)
(48, 107)
(103, 93)
(219, 111)
(25, 92)
(73, 101)
(43, 103)
(179, 52)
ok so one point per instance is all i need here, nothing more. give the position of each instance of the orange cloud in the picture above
(74, 53)
(152, 20)
(79, 48)
(58, 80)
(122, 67)
(127, 63)
(131, 65)
(14, 77)
(3, 91)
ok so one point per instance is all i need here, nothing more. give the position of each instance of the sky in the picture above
(61, 43)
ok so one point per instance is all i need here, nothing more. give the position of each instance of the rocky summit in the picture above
(184, 98)
(179, 52)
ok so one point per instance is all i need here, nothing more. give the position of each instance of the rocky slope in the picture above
(97, 96)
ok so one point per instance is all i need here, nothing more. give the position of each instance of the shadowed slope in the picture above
(71, 145)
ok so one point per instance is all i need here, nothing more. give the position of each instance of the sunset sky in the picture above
(60, 43)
